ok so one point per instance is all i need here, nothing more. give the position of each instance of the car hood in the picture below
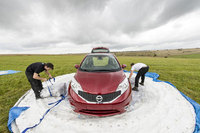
(99, 82)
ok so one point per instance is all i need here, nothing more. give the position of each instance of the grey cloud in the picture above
(81, 22)
(176, 8)
(75, 5)
(10, 47)
(41, 44)
(130, 17)
(137, 16)
(11, 12)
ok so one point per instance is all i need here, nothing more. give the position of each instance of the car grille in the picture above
(99, 98)
(99, 112)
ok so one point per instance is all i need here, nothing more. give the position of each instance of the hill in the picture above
(160, 53)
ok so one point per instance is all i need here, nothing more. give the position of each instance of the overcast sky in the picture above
(73, 26)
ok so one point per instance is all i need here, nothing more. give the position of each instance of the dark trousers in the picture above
(141, 73)
(35, 84)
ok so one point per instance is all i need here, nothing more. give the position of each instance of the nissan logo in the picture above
(99, 98)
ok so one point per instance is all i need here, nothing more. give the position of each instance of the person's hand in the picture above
(50, 77)
(44, 79)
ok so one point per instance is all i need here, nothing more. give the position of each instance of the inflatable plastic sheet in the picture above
(16, 111)
(6, 72)
(196, 106)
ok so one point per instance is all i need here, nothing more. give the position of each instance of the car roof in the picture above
(100, 48)
(100, 54)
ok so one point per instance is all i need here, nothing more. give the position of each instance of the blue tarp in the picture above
(8, 72)
(196, 106)
(13, 114)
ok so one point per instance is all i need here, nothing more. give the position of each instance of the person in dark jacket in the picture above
(32, 74)
(142, 70)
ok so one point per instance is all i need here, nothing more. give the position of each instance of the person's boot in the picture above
(135, 88)
(37, 95)
(141, 84)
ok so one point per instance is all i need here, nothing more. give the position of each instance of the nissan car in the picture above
(99, 87)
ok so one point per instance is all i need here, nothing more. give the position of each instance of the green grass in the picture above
(183, 72)
(193, 56)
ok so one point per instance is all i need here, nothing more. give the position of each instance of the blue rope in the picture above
(56, 103)
(49, 91)
(53, 80)
(51, 84)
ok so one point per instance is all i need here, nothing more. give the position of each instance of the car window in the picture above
(100, 63)
(100, 51)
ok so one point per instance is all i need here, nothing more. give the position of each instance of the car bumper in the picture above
(100, 109)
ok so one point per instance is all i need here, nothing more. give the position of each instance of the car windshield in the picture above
(95, 63)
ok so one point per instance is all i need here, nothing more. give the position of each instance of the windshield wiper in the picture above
(103, 70)
(85, 70)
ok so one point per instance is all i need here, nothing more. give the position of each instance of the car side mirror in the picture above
(123, 66)
(76, 66)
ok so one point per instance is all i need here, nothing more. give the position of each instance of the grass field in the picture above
(182, 71)
(192, 56)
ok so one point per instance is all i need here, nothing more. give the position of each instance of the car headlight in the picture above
(75, 86)
(123, 86)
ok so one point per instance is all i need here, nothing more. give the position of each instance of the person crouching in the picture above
(142, 70)
(32, 74)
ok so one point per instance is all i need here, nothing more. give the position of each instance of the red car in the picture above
(100, 87)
